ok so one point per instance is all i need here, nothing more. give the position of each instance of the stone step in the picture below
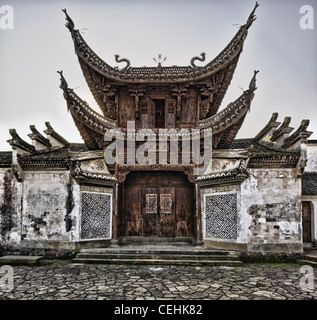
(20, 260)
(158, 262)
(307, 262)
(311, 257)
(157, 256)
(157, 251)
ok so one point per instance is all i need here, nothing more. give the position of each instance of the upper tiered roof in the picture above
(159, 74)
(216, 75)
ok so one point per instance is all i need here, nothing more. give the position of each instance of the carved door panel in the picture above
(306, 211)
(170, 111)
(167, 212)
(150, 211)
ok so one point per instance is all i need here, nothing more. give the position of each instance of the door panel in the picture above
(167, 212)
(133, 217)
(150, 211)
(184, 209)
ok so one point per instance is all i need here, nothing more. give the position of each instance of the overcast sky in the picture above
(40, 44)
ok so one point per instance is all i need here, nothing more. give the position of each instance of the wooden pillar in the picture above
(115, 203)
(198, 215)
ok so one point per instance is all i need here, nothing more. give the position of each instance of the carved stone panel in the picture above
(221, 216)
(96, 211)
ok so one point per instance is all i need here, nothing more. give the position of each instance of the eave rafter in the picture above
(90, 124)
(226, 123)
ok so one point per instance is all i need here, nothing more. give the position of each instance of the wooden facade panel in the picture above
(170, 113)
(189, 110)
(150, 211)
(144, 113)
(133, 218)
(185, 212)
(167, 212)
(126, 110)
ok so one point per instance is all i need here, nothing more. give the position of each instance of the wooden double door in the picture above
(158, 204)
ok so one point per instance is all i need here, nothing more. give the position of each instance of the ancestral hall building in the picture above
(57, 195)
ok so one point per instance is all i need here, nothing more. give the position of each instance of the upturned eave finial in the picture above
(252, 16)
(70, 23)
(252, 85)
(63, 84)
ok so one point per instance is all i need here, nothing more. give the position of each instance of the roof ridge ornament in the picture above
(252, 85)
(123, 60)
(70, 23)
(159, 60)
(63, 84)
(201, 58)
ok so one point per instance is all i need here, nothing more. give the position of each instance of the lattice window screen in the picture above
(221, 216)
(95, 215)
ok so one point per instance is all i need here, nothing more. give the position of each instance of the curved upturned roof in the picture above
(160, 74)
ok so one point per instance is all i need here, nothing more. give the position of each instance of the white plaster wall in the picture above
(2, 172)
(311, 158)
(271, 207)
(10, 221)
(75, 214)
(44, 205)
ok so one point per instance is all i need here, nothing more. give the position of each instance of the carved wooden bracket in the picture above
(137, 92)
(179, 91)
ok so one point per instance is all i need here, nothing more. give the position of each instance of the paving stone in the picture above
(122, 282)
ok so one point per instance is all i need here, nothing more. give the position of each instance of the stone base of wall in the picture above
(224, 245)
(259, 250)
(275, 247)
(59, 249)
(270, 257)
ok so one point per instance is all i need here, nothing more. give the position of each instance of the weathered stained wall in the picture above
(10, 210)
(311, 157)
(268, 217)
(271, 211)
(50, 206)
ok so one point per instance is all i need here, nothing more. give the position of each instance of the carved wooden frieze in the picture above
(137, 92)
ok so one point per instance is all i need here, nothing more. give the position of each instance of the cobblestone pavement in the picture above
(68, 281)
